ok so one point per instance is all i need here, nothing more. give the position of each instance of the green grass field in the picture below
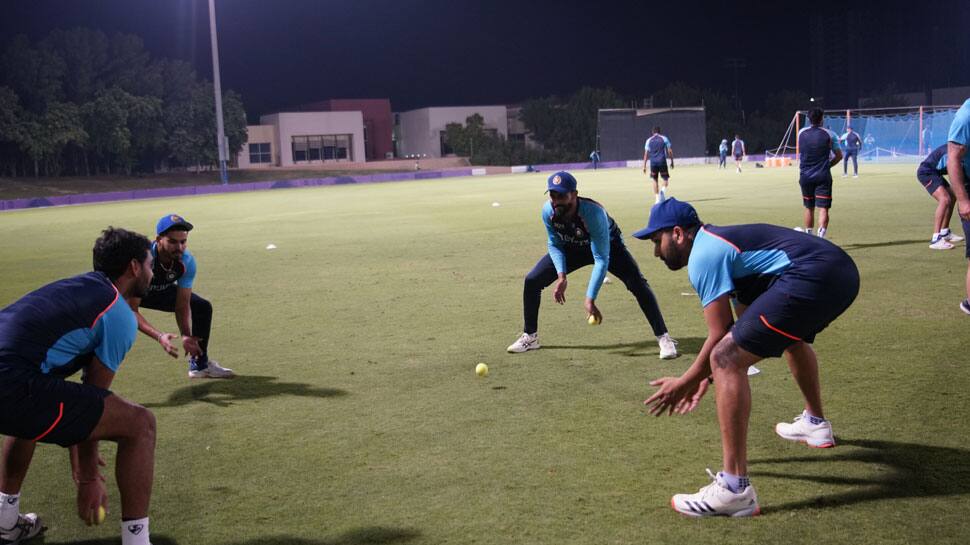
(358, 418)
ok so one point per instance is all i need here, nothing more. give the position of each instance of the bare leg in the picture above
(729, 364)
(17, 454)
(803, 365)
(823, 218)
(944, 208)
(133, 428)
(809, 218)
(656, 187)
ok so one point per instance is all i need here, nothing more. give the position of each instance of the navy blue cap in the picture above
(561, 182)
(172, 220)
(666, 214)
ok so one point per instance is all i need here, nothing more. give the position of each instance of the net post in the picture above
(920, 152)
(798, 124)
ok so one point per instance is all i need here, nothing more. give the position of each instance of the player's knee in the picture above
(201, 306)
(945, 199)
(142, 423)
(722, 357)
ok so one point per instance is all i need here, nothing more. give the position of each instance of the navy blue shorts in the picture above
(46, 408)
(659, 168)
(816, 193)
(776, 320)
(738, 156)
(931, 180)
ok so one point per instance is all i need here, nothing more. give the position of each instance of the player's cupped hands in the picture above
(560, 292)
(675, 395)
(167, 340)
(91, 495)
(592, 310)
(191, 346)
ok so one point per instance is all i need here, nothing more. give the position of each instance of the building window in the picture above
(324, 147)
(260, 153)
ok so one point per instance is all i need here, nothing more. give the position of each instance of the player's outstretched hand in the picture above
(167, 340)
(191, 346)
(674, 395)
(560, 292)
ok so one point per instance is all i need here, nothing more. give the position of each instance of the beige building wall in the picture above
(420, 130)
(311, 124)
(259, 134)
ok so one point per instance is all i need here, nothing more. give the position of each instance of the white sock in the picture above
(134, 532)
(944, 232)
(936, 236)
(821, 232)
(9, 510)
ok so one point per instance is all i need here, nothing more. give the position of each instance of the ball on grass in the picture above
(481, 370)
(594, 319)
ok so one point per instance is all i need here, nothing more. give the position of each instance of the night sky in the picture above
(279, 53)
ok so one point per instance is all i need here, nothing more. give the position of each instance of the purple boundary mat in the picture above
(167, 192)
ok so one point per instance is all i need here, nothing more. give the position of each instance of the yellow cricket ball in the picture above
(593, 320)
(481, 370)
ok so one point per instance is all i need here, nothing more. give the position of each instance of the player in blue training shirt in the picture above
(737, 148)
(722, 151)
(171, 291)
(817, 155)
(852, 144)
(594, 157)
(581, 233)
(930, 175)
(656, 150)
(82, 324)
(785, 288)
(957, 166)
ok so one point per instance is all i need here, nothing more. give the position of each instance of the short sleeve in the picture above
(709, 269)
(188, 278)
(960, 127)
(114, 334)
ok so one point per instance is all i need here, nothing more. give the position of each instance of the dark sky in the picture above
(420, 53)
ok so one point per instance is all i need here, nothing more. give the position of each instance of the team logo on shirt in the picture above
(556, 180)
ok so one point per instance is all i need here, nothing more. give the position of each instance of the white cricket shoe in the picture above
(941, 244)
(965, 306)
(28, 526)
(211, 370)
(802, 430)
(855, 175)
(950, 237)
(524, 343)
(668, 347)
(717, 500)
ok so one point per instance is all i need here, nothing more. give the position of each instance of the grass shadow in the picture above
(687, 345)
(909, 470)
(372, 535)
(851, 247)
(224, 392)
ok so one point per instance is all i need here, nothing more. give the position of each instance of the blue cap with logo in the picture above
(169, 221)
(561, 182)
(666, 214)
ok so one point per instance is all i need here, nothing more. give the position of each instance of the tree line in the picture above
(82, 103)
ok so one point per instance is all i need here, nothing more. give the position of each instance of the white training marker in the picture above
(686, 293)
(270, 246)
(606, 280)
(496, 204)
(753, 371)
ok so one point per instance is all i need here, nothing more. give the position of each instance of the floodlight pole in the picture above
(217, 86)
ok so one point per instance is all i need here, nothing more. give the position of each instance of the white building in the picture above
(304, 138)
(422, 132)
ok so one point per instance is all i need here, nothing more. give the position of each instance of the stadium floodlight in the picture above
(217, 86)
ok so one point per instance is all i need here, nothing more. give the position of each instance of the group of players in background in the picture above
(765, 291)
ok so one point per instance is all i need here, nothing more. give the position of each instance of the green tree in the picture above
(567, 129)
